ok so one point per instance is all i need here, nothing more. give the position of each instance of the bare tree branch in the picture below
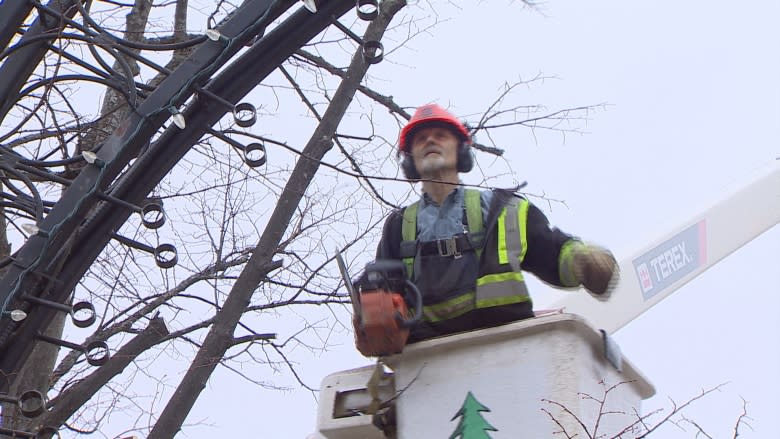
(67, 402)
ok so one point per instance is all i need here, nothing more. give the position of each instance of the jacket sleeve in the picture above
(544, 247)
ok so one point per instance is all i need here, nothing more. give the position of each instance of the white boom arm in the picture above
(668, 263)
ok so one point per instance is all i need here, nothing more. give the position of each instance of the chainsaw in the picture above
(381, 316)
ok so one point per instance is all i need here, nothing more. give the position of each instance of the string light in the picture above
(178, 119)
(213, 34)
(16, 315)
(92, 158)
(32, 229)
(89, 156)
(310, 5)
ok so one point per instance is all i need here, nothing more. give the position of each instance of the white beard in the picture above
(432, 164)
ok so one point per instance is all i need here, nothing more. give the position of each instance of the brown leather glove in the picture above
(596, 269)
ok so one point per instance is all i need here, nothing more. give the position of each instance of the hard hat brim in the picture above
(408, 131)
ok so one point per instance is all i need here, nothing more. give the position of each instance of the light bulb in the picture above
(310, 5)
(18, 315)
(179, 121)
(89, 156)
(213, 34)
(32, 229)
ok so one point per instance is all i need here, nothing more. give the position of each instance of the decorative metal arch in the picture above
(108, 188)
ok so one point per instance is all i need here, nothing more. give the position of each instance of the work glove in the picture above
(596, 269)
(588, 265)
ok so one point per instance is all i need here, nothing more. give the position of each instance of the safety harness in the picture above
(499, 280)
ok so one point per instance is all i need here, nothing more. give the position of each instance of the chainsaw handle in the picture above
(418, 306)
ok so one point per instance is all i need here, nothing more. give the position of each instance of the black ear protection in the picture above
(465, 162)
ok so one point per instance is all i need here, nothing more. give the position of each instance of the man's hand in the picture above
(597, 270)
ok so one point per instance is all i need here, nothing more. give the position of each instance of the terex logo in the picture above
(644, 277)
(672, 260)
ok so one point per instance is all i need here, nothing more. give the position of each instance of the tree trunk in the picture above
(114, 106)
(34, 375)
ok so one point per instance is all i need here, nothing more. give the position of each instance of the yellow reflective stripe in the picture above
(474, 218)
(474, 210)
(409, 223)
(493, 291)
(503, 257)
(501, 289)
(409, 267)
(409, 233)
(451, 308)
(566, 272)
(500, 277)
(500, 301)
(513, 238)
(522, 218)
(496, 290)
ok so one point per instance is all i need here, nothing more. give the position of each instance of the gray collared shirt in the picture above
(443, 221)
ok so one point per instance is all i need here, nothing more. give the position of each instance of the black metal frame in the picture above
(51, 263)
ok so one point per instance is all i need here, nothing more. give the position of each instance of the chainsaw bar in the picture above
(350, 288)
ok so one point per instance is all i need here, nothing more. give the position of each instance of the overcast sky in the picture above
(692, 96)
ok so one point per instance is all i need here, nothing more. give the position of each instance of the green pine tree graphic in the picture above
(471, 425)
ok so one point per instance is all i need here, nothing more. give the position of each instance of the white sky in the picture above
(693, 105)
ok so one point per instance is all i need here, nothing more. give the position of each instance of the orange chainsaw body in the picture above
(379, 330)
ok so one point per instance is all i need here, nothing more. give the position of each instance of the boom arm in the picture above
(668, 263)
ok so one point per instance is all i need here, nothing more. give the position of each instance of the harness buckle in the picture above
(448, 247)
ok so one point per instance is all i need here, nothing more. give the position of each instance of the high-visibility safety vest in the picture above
(499, 251)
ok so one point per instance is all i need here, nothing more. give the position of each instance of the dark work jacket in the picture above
(541, 258)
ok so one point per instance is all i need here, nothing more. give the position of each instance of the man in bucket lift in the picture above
(466, 249)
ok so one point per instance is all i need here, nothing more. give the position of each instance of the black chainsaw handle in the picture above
(418, 306)
(387, 274)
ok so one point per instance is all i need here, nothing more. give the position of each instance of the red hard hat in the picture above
(431, 113)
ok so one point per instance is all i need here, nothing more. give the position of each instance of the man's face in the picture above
(434, 150)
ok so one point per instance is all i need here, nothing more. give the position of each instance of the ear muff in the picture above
(465, 162)
(408, 168)
(465, 158)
